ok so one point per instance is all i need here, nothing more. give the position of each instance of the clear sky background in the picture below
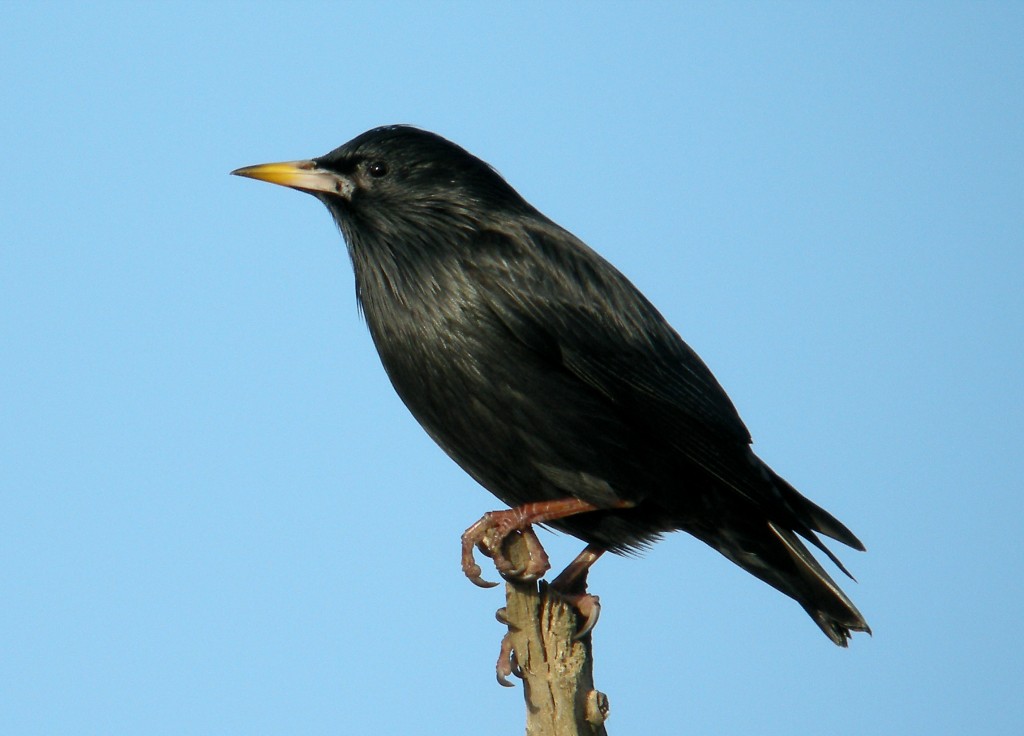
(217, 518)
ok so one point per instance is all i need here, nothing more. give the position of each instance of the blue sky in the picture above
(217, 518)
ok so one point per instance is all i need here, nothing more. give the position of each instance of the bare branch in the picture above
(557, 670)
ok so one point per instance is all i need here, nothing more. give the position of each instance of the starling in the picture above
(549, 378)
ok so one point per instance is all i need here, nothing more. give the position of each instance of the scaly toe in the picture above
(506, 662)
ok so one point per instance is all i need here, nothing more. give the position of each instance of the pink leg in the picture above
(575, 575)
(571, 584)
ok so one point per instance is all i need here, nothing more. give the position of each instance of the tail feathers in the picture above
(776, 555)
(810, 536)
(816, 518)
(771, 550)
(812, 587)
(824, 523)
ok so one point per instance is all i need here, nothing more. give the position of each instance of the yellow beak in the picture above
(302, 175)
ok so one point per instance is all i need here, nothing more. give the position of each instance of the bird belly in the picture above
(528, 432)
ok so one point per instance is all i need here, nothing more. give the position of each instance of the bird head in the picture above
(396, 180)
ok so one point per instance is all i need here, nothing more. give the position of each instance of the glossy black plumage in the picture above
(544, 373)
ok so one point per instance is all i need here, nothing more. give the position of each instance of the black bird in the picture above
(548, 377)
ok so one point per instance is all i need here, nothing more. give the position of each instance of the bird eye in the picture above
(377, 169)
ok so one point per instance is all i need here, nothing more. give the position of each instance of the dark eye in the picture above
(377, 169)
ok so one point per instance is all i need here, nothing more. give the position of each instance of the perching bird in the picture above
(544, 373)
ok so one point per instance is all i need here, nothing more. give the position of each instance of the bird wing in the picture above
(564, 301)
(661, 386)
(559, 297)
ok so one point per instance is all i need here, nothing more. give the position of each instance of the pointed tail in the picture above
(817, 592)
(777, 556)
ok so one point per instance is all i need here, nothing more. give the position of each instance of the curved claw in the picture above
(479, 581)
(475, 537)
(506, 662)
(516, 669)
(589, 607)
(515, 573)
(520, 575)
(472, 571)
(489, 534)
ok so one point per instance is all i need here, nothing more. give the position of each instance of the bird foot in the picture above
(587, 606)
(489, 535)
(507, 662)
(571, 586)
